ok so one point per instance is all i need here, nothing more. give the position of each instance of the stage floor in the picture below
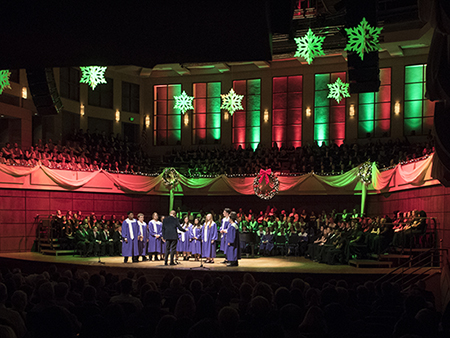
(277, 264)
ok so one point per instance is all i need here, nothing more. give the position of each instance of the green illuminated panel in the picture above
(413, 109)
(253, 135)
(254, 146)
(215, 133)
(174, 136)
(365, 127)
(321, 81)
(320, 99)
(321, 132)
(321, 115)
(254, 102)
(253, 118)
(366, 112)
(365, 98)
(414, 73)
(413, 125)
(414, 91)
(174, 121)
(213, 120)
(214, 90)
(254, 87)
(213, 105)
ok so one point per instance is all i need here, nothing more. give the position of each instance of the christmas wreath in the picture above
(170, 177)
(266, 184)
(365, 172)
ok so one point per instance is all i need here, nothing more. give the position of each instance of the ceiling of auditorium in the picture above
(175, 38)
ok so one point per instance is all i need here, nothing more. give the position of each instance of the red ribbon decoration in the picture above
(265, 174)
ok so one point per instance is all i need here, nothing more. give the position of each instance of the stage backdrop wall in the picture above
(18, 209)
(434, 200)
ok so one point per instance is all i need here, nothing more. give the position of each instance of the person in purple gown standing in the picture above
(183, 245)
(223, 231)
(130, 238)
(209, 238)
(196, 237)
(154, 237)
(142, 237)
(233, 245)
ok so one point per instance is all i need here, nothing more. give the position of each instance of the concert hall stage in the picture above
(270, 269)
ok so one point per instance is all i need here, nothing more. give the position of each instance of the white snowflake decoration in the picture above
(183, 102)
(93, 75)
(309, 46)
(338, 90)
(231, 101)
(4, 79)
(363, 38)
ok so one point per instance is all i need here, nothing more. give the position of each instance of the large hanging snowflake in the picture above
(363, 38)
(231, 101)
(93, 75)
(309, 46)
(338, 90)
(4, 79)
(183, 102)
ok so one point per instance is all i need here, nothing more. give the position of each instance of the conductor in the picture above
(170, 235)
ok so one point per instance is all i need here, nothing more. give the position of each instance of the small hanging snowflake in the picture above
(309, 46)
(231, 101)
(93, 75)
(4, 79)
(365, 172)
(363, 38)
(183, 102)
(338, 90)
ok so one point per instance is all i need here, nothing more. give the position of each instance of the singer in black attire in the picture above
(170, 235)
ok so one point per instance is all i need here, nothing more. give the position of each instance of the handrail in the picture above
(408, 265)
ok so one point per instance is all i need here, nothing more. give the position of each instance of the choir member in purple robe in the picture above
(142, 237)
(209, 238)
(196, 237)
(233, 243)
(223, 231)
(130, 238)
(183, 245)
(163, 241)
(154, 237)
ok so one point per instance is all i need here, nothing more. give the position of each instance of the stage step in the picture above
(398, 258)
(49, 245)
(369, 263)
(59, 252)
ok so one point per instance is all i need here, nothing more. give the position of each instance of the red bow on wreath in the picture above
(265, 174)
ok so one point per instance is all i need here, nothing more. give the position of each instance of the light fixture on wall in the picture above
(308, 111)
(82, 109)
(24, 93)
(147, 121)
(397, 108)
(266, 115)
(117, 115)
(352, 110)
(226, 116)
(186, 119)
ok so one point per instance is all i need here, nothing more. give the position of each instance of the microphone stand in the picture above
(201, 267)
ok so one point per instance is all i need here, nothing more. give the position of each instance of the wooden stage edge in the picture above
(270, 269)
